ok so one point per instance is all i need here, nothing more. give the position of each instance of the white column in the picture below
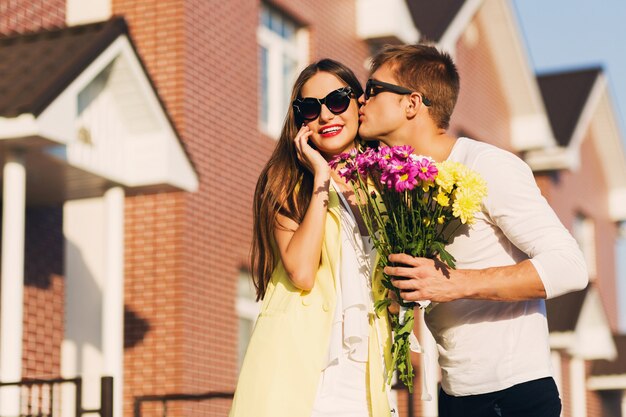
(431, 368)
(113, 294)
(557, 372)
(12, 300)
(578, 390)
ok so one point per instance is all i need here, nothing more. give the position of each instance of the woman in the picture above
(318, 349)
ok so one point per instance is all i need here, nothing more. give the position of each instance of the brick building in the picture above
(199, 89)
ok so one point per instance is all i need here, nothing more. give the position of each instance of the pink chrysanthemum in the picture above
(426, 169)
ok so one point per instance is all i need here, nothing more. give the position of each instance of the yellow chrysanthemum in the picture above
(441, 219)
(446, 175)
(442, 199)
(465, 205)
(427, 185)
(472, 183)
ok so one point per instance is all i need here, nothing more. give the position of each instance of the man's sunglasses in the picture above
(309, 108)
(373, 87)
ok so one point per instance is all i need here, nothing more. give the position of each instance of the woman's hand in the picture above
(308, 156)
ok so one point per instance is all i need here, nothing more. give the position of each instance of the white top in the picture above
(486, 346)
(342, 391)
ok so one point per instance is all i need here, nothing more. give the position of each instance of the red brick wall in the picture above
(333, 31)
(30, 15)
(43, 273)
(199, 53)
(481, 111)
(585, 190)
(44, 287)
(154, 266)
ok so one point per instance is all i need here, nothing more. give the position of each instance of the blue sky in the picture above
(565, 34)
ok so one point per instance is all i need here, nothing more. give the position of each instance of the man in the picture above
(490, 324)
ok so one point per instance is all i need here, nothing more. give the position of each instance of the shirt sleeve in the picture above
(515, 205)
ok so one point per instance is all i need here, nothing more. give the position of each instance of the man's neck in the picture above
(434, 143)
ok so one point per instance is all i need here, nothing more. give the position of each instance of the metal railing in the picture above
(167, 398)
(41, 397)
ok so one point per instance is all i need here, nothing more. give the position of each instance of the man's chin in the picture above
(366, 136)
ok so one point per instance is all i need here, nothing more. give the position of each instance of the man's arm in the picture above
(515, 206)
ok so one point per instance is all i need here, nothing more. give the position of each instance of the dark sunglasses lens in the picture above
(368, 89)
(338, 101)
(309, 109)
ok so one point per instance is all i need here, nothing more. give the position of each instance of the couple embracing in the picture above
(318, 348)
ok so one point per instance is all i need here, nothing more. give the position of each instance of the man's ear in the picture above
(413, 105)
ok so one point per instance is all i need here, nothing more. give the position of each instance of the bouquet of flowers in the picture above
(410, 204)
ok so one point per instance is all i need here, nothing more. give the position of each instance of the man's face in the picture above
(383, 114)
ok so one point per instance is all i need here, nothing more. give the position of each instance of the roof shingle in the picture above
(36, 67)
(565, 95)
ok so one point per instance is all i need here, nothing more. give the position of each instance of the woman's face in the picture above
(331, 133)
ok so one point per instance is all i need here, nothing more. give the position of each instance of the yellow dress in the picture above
(281, 370)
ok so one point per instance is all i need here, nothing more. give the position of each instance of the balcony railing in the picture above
(42, 397)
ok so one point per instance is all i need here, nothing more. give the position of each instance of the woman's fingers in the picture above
(301, 138)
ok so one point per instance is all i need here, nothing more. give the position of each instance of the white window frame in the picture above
(277, 47)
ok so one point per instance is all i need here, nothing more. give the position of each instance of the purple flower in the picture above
(426, 169)
(402, 152)
(365, 161)
(405, 181)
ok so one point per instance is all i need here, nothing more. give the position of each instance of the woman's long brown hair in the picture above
(285, 185)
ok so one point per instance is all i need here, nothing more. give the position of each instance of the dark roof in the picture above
(432, 18)
(565, 95)
(563, 311)
(615, 367)
(36, 67)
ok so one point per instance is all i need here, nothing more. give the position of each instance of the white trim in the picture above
(561, 340)
(385, 20)
(587, 114)
(12, 296)
(607, 382)
(617, 204)
(458, 25)
(608, 143)
(592, 337)
(86, 11)
(150, 154)
(553, 158)
(279, 88)
(530, 127)
(23, 125)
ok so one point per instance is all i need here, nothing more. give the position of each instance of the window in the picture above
(282, 53)
(584, 232)
(247, 311)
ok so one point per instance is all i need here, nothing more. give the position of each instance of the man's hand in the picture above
(423, 279)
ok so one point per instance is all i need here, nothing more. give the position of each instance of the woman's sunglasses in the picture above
(373, 87)
(309, 108)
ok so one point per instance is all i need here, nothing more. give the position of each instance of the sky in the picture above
(571, 34)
